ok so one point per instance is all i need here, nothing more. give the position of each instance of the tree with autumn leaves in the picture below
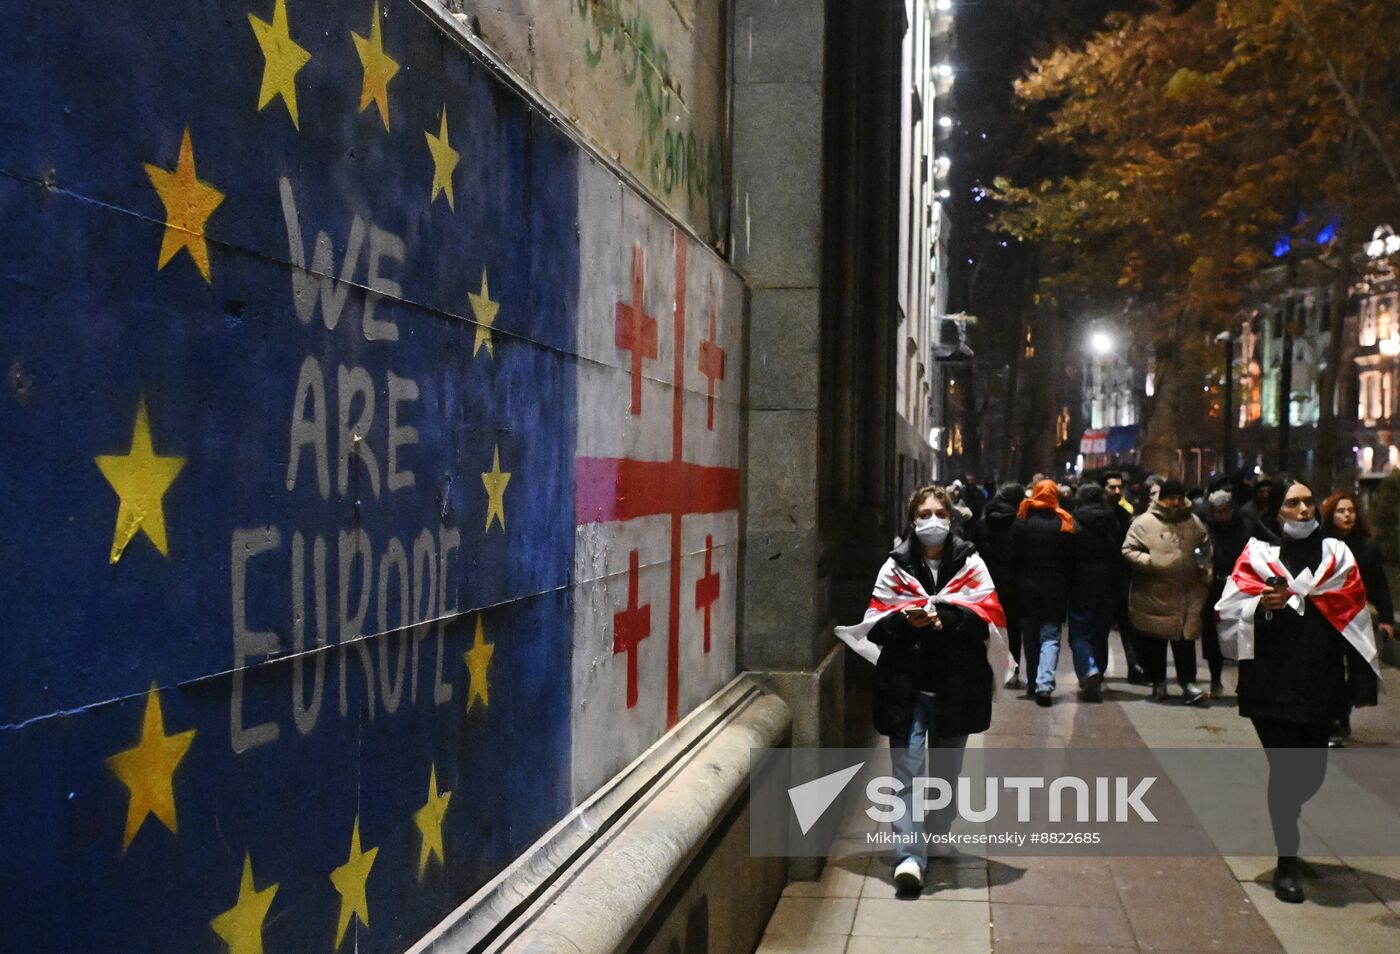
(1186, 140)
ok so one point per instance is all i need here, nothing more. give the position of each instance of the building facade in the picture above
(927, 79)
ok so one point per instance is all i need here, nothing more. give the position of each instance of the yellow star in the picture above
(444, 161)
(140, 479)
(485, 311)
(188, 205)
(478, 660)
(379, 68)
(495, 481)
(148, 770)
(241, 925)
(429, 822)
(349, 879)
(282, 58)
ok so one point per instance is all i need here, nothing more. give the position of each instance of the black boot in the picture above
(1288, 880)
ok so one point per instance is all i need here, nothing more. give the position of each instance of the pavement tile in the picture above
(1018, 947)
(1302, 929)
(960, 921)
(1072, 881)
(803, 944)
(1200, 912)
(909, 945)
(841, 878)
(1046, 924)
(801, 917)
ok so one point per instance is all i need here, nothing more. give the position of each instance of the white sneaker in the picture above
(908, 876)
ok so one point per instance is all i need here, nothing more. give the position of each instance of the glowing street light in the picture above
(944, 6)
(945, 70)
(1100, 343)
(945, 122)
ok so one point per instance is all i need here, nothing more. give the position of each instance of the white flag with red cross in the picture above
(656, 478)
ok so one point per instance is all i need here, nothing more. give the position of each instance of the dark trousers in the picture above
(1210, 643)
(1091, 621)
(1128, 635)
(1013, 634)
(1152, 652)
(1034, 629)
(1297, 754)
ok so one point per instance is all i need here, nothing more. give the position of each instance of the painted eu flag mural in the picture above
(287, 302)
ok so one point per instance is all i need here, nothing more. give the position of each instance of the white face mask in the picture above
(1299, 529)
(933, 531)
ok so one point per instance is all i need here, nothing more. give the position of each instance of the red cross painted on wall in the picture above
(631, 625)
(610, 489)
(636, 330)
(707, 588)
(711, 361)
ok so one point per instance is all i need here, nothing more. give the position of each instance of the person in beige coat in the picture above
(1169, 552)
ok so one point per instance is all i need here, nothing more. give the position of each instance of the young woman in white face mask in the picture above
(938, 624)
(1294, 614)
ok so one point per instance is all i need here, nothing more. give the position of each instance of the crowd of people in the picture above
(1258, 570)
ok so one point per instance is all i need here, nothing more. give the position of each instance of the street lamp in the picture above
(945, 122)
(943, 6)
(945, 70)
(1100, 343)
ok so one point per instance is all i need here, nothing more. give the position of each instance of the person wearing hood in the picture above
(933, 680)
(1228, 537)
(1306, 649)
(1170, 555)
(1256, 511)
(992, 537)
(1342, 518)
(1093, 595)
(1043, 543)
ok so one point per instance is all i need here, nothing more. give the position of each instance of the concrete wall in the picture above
(643, 79)
(361, 405)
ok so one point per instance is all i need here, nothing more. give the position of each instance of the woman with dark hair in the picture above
(992, 536)
(1294, 614)
(936, 633)
(1342, 518)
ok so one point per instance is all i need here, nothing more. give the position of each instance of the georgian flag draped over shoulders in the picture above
(971, 588)
(1336, 590)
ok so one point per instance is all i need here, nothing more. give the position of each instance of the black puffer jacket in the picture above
(992, 537)
(1044, 563)
(1299, 672)
(951, 662)
(1098, 557)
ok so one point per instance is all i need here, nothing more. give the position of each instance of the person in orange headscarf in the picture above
(1042, 539)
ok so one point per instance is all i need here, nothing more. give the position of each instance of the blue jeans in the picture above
(1046, 633)
(1090, 624)
(908, 759)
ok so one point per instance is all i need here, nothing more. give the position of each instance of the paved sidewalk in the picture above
(1115, 905)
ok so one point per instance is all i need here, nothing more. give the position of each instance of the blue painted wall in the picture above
(91, 328)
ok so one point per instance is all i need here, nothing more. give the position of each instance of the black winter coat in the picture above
(1227, 543)
(1044, 563)
(1371, 562)
(1098, 555)
(951, 662)
(992, 537)
(1303, 670)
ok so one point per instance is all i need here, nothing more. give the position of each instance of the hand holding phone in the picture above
(1276, 596)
